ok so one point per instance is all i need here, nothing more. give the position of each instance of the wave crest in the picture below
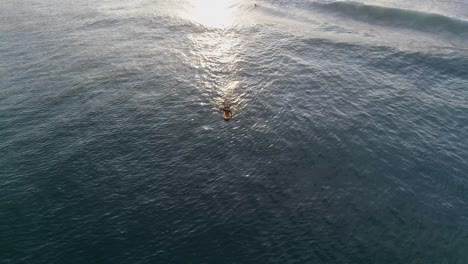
(391, 16)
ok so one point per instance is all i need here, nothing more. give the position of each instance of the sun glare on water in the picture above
(215, 52)
(210, 13)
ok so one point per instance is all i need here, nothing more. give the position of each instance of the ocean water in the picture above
(348, 144)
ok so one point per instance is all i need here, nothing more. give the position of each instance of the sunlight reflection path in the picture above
(210, 13)
(216, 51)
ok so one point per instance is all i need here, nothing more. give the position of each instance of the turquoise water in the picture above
(349, 141)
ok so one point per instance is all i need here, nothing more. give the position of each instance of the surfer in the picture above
(227, 114)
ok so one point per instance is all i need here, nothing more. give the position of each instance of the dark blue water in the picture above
(349, 141)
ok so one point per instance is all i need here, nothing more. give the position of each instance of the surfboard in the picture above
(227, 115)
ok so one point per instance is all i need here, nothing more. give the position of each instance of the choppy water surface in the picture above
(349, 141)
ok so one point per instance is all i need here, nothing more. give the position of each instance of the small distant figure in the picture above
(227, 114)
(255, 5)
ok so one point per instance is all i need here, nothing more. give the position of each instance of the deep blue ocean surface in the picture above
(348, 144)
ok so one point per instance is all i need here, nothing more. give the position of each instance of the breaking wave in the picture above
(391, 16)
